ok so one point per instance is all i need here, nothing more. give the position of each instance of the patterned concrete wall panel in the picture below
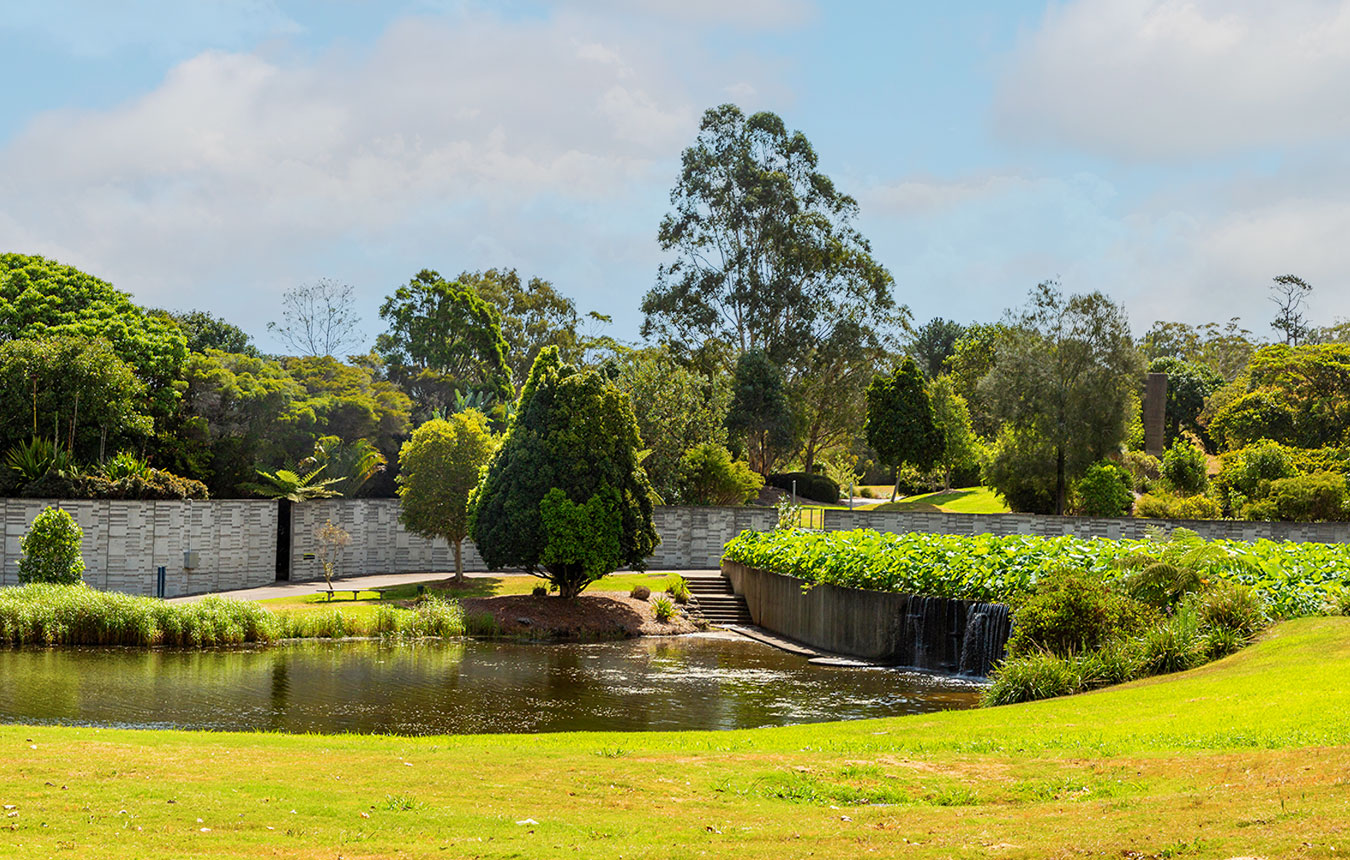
(899, 522)
(125, 541)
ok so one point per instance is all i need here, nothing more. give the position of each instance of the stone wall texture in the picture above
(938, 522)
(125, 541)
(932, 633)
(236, 540)
(691, 538)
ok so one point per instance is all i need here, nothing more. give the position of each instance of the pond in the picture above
(709, 681)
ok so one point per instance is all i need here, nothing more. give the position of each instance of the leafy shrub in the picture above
(1294, 578)
(582, 542)
(1319, 497)
(1026, 679)
(678, 588)
(640, 592)
(1250, 470)
(1073, 611)
(155, 484)
(1103, 491)
(663, 609)
(1166, 506)
(1184, 468)
(1144, 469)
(817, 488)
(51, 549)
(1196, 508)
(867, 493)
(709, 476)
(125, 465)
(1233, 607)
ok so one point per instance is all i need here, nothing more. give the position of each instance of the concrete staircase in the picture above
(712, 597)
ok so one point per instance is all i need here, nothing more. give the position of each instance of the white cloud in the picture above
(449, 138)
(1164, 79)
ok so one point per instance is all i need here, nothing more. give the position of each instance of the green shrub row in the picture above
(1293, 579)
(50, 614)
(1200, 626)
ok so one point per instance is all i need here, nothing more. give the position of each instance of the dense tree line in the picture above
(776, 350)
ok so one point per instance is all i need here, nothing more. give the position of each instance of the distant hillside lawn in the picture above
(969, 500)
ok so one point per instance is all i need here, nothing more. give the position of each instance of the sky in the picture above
(211, 155)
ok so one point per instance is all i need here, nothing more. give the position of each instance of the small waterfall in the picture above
(986, 633)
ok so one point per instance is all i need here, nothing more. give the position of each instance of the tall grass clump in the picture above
(51, 614)
(1035, 676)
(678, 588)
(434, 616)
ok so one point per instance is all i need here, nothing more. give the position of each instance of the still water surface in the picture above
(712, 681)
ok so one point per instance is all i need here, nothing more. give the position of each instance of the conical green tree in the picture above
(565, 497)
(900, 425)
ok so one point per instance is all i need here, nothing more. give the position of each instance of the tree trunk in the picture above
(895, 488)
(1059, 480)
(459, 561)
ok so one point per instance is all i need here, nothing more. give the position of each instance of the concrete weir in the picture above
(957, 637)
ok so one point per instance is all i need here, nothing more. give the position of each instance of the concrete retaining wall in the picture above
(938, 522)
(380, 543)
(124, 541)
(691, 538)
(951, 636)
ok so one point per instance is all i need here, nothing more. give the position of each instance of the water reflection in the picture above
(700, 682)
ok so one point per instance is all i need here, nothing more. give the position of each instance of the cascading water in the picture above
(988, 626)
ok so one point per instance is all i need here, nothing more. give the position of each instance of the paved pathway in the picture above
(347, 583)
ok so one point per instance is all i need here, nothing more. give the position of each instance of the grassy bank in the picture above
(45, 614)
(1247, 756)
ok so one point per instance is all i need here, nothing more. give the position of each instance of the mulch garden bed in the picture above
(593, 615)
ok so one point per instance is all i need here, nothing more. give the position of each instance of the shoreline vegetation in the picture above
(1245, 756)
(45, 615)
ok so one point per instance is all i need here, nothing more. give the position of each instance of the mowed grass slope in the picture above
(969, 500)
(1244, 757)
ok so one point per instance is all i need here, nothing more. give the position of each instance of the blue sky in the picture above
(1176, 155)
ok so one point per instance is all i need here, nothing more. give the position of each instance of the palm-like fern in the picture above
(355, 462)
(285, 484)
(1181, 563)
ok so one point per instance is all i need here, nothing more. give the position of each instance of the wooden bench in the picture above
(356, 592)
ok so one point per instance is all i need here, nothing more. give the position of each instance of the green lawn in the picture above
(474, 586)
(1247, 757)
(970, 500)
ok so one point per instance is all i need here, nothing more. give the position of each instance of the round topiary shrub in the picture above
(51, 549)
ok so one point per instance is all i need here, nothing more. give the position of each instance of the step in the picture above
(721, 608)
(709, 585)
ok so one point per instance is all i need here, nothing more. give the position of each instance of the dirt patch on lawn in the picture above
(599, 615)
